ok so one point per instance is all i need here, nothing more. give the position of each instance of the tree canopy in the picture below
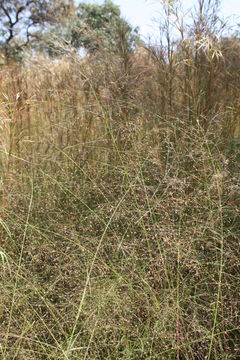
(21, 21)
(101, 25)
(38, 22)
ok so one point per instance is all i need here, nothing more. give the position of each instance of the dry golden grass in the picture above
(120, 207)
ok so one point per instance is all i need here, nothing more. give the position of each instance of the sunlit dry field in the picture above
(120, 198)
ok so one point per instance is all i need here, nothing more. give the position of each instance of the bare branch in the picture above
(11, 24)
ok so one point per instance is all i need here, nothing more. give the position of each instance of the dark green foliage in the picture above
(51, 25)
(101, 25)
(92, 27)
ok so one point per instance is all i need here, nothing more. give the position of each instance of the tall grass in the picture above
(120, 201)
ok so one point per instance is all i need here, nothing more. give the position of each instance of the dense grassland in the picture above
(120, 198)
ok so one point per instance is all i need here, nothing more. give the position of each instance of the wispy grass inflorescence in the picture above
(120, 199)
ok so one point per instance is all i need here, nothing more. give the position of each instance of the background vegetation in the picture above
(120, 186)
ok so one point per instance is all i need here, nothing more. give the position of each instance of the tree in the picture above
(22, 20)
(99, 26)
